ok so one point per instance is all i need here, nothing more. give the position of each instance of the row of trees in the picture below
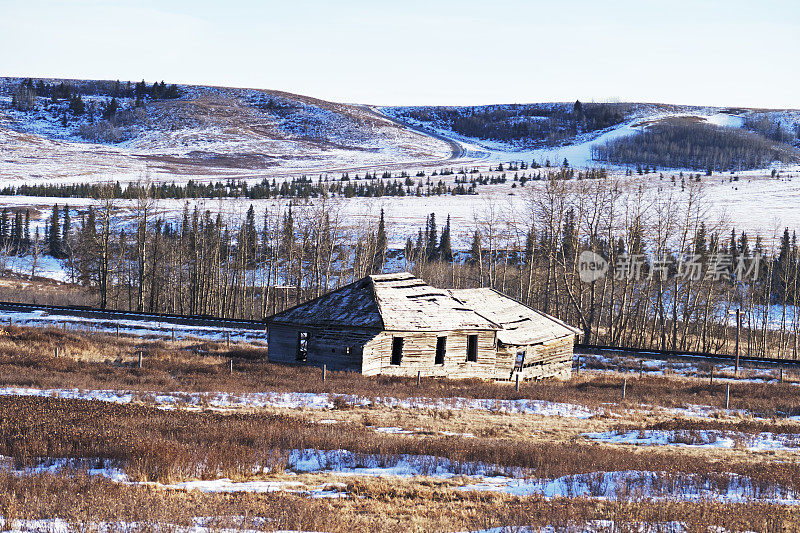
(260, 262)
(530, 124)
(688, 144)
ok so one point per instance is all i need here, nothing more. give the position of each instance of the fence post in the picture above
(781, 378)
(419, 376)
(727, 395)
(140, 358)
(516, 386)
(624, 388)
(712, 376)
(228, 339)
(230, 368)
(324, 372)
(118, 331)
(738, 329)
(56, 352)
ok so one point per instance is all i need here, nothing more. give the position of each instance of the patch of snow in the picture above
(702, 439)
(307, 400)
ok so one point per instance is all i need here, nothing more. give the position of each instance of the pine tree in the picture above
(445, 246)
(476, 248)
(381, 245)
(4, 227)
(54, 235)
(66, 229)
(432, 238)
(26, 241)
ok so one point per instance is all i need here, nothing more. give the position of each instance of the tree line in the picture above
(548, 124)
(258, 263)
(695, 145)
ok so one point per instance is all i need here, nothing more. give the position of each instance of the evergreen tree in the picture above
(54, 234)
(476, 248)
(66, 229)
(4, 227)
(381, 245)
(445, 246)
(26, 240)
(432, 238)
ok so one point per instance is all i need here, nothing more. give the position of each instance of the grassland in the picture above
(460, 460)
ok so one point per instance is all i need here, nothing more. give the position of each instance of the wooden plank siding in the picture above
(337, 348)
(419, 354)
(551, 359)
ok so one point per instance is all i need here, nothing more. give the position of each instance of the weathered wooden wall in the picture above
(419, 353)
(545, 360)
(326, 346)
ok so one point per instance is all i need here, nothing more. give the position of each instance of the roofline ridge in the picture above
(542, 313)
(312, 300)
(377, 300)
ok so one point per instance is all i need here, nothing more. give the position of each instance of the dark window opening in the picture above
(472, 348)
(397, 350)
(441, 347)
(302, 345)
(520, 359)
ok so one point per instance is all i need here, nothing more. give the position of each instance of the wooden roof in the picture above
(395, 302)
(520, 324)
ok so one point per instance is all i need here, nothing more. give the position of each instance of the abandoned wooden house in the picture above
(397, 324)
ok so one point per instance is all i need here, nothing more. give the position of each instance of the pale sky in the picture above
(414, 52)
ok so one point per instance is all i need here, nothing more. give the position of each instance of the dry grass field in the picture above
(92, 440)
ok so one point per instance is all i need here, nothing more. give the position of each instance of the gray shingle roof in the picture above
(398, 302)
(521, 324)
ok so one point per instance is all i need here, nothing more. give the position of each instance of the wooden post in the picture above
(738, 327)
(173, 334)
(711, 382)
(516, 386)
(140, 358)
(227, 339)
(419, 376)
(118, 331)
(624, 387)
(63, 326)
(781, 377)
(231, 367)
(324, 372)
(578, 368)
(727, 395)
(56, 352)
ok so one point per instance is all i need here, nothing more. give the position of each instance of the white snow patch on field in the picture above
(307, 400)
(613, 485)
(765, 441)
(140, 328)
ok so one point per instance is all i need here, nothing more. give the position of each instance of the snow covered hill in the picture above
(562, 138)
(206, 132)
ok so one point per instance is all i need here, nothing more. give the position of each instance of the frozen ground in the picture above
(306, 400)
(615, 485)
(139, 328)
(702, 439)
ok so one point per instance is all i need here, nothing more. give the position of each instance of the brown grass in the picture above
(151, 444)
(381, 506)
(99, 361)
